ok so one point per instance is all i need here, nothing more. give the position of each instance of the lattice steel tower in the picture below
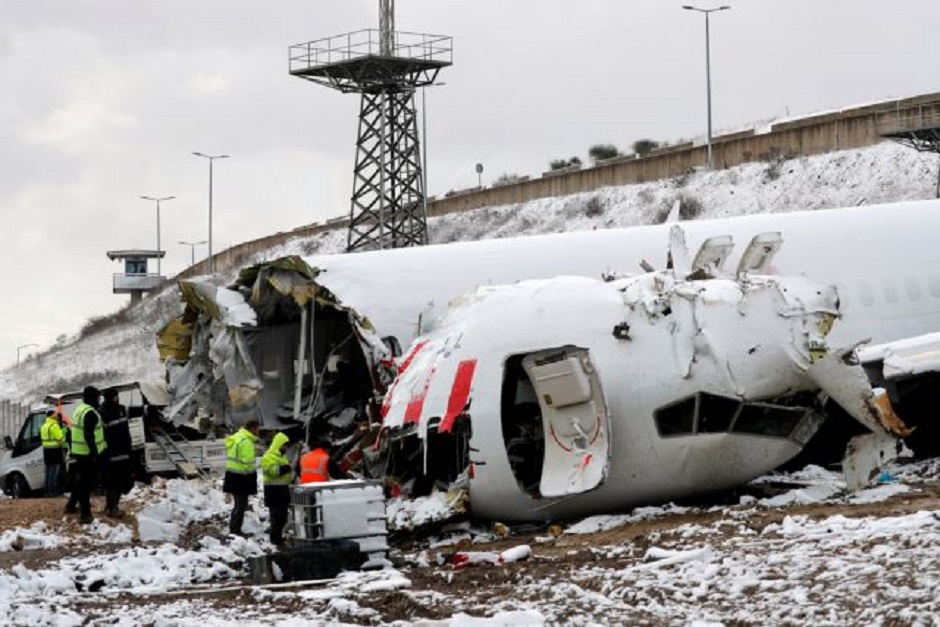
(386, 67)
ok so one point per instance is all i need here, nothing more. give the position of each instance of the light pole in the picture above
(211, 158)
(192, 250)
(158, 201)
(21, 347)
(424, 169)
(708, 72)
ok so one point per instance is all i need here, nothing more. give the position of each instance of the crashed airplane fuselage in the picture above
(584, 395)
(571, 395)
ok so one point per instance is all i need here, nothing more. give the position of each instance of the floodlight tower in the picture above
(385, 67)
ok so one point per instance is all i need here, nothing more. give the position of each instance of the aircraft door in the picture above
(575, 420)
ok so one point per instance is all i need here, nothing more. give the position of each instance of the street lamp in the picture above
(158, 201)
(424, 134)
(19, 348)
(211, 158)
(708, 72)
(192, 250)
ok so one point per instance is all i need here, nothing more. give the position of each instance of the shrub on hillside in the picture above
(507, 178)
(558, 164)
(643, 147)
(97, 324)
(775, 157)
(600, 152)
(683, 179)
(662, 214)
(690, 207)
(311, 246)
(593, 207)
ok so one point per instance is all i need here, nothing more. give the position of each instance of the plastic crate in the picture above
(341, 510)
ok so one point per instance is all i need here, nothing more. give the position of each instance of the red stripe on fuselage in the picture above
(459, 393)
(387, 401)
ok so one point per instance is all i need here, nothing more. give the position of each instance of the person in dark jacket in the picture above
(86, 446)
(118, 475)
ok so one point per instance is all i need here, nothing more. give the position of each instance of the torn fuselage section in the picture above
(274, 346)
(907, 375)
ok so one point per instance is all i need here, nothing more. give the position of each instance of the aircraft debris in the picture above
(535, 399)
(463, 559)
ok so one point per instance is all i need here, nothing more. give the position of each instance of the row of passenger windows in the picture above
(708, 413)
(889, 290)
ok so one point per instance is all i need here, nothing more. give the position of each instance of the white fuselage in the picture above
(883, 260)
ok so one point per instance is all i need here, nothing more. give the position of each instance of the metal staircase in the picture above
(169, 444)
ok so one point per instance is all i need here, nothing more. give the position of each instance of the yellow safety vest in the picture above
(52, 434)
(79, 446)
(240, 452)
(272, 462)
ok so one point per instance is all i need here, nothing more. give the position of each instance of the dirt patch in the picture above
(192, 536)
(24, 513)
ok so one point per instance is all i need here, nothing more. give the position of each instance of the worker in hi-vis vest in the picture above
(278, 473)
(54, 448)
(85, 451)
(241, 472)
(316, 465)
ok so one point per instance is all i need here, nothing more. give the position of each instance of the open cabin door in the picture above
(574, 418)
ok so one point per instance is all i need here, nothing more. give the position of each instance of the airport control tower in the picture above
(385, 67)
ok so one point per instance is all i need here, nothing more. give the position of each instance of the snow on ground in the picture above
(867, 558)
(40, 536)
(886, 172)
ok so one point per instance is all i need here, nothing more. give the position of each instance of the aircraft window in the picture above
(933, 283)
(769, 420)
(715, 413)
(866, 294)
(676, 419)
(394, 346)
(912, 287)
(890, 290)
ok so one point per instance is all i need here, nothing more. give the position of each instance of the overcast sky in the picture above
(104, 100)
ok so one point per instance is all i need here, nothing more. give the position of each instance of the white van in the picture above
(22, 471)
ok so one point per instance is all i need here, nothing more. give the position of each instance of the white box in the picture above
(343, 509)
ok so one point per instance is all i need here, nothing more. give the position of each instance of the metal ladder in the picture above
(168, 444)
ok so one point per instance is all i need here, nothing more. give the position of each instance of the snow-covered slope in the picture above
(879, 174)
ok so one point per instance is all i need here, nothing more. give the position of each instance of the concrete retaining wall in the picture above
(11, 418)
(849, 128)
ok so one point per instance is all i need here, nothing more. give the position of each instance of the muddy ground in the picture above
(438, 590)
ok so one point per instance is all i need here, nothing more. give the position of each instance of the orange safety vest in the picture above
(313, 466)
